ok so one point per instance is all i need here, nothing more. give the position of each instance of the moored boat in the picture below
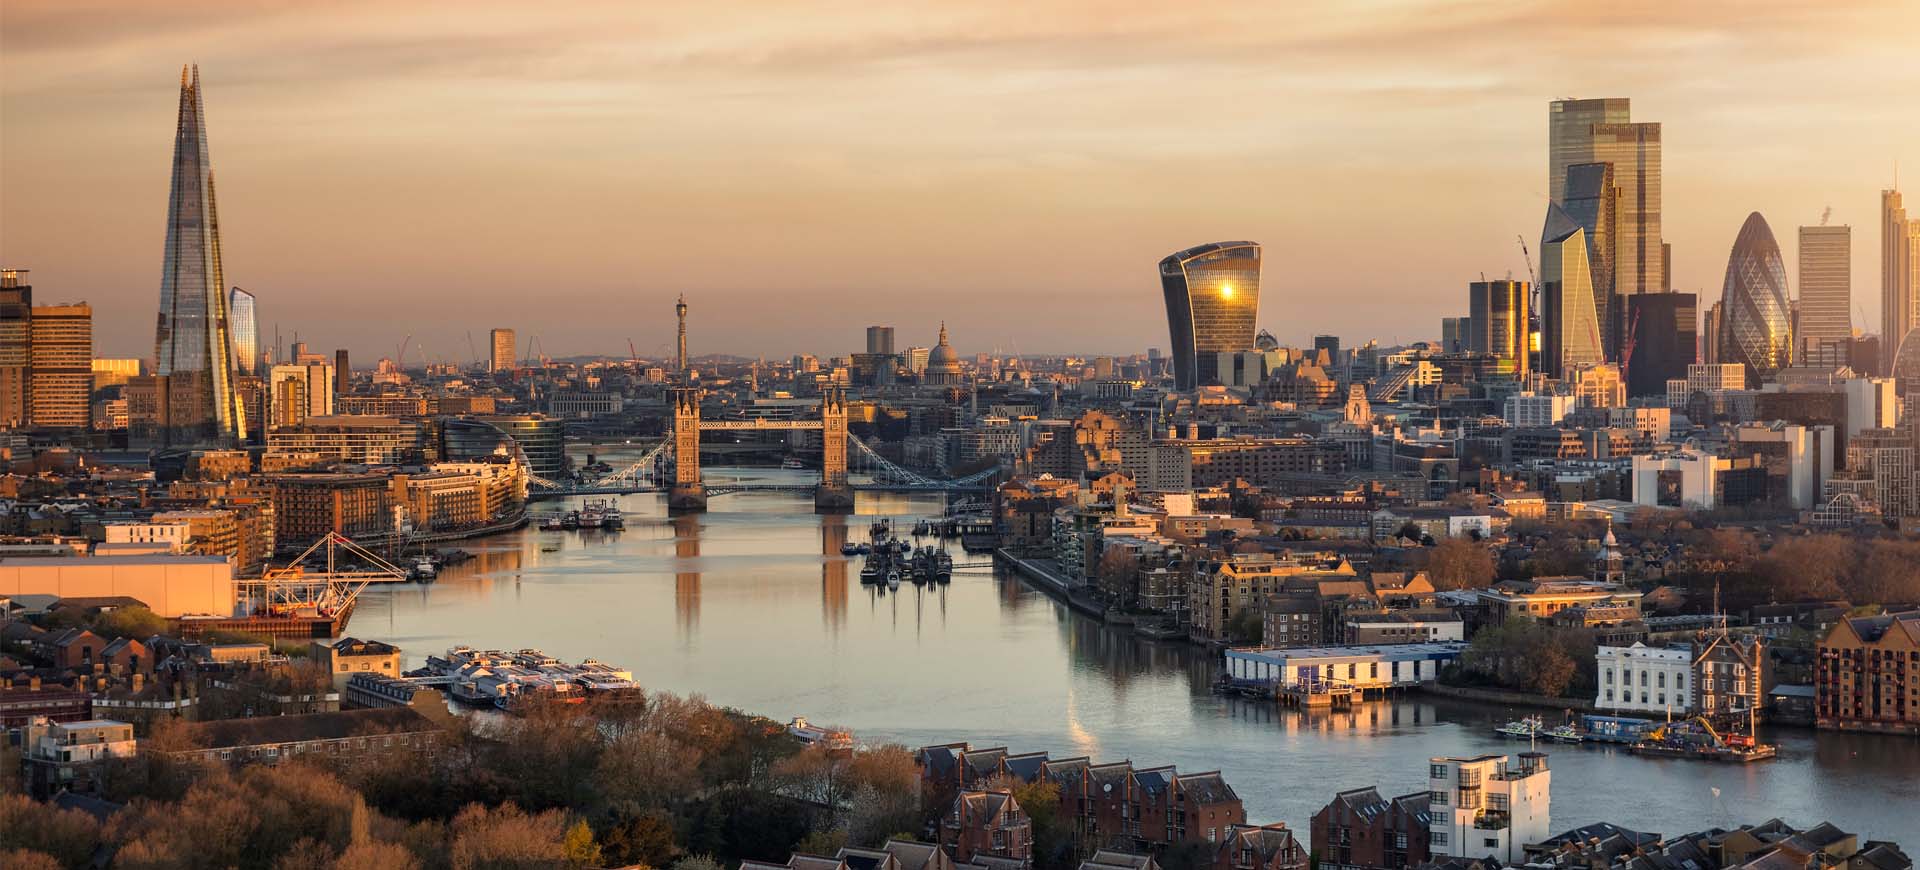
(1521, 729)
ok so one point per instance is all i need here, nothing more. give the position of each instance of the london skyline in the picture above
(378, 173)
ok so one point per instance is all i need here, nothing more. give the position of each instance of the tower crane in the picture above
(400, 360)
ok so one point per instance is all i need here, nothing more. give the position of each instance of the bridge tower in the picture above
(688, 493)
(834, 494)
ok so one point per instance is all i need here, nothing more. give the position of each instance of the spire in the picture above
(943, 333)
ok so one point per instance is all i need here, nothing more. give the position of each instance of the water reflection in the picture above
(753, 605)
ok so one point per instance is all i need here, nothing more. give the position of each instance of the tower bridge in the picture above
(688, 491)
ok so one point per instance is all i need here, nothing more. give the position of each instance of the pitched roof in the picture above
(1206, 788)
(911, 855)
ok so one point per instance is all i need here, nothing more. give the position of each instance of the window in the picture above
(1437, 798)
(1438, 838)
(1491, 842)
(1436, 771)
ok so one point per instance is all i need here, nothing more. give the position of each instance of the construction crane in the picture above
(473, 353)
(400, 360)
(633, 355)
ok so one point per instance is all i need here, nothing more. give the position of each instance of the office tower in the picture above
(1638, 251)
(1590, 199)
(1453, 333)
(1570, 126)
(1826, 291)
(1600, 131)
(1755, 330)
(502, 341)
(1499, 316)
(1666, 266)
(114, 372)
(193, 344)
(246, 331)
(680, 356)
(1899, 274)
(1710, 332)
(60, 383)
(340, 372)
(916, 359)
(16, 333)
(1213, 300)
(880, 340)
(1664, 342)
(1569, 325)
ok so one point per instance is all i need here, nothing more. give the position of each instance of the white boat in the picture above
(833, 739)
(1563, 734)
(893, 579)
(423, 568)
(1522, 729)
(792, 464)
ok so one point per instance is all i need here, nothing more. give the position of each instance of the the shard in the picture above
(193, 342)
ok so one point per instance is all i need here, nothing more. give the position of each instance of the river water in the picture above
(751, 605)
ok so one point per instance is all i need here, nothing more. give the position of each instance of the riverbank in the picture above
(1045, 576)
(1506, 698)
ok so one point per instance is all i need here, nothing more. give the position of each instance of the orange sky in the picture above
(801, 170)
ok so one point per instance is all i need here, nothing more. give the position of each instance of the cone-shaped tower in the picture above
(193, 349)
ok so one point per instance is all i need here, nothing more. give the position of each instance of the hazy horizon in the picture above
(802, 172)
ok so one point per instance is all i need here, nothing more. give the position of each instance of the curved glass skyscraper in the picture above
(1213, 300)
(246, 332)
(193, 343)
(1757, 326)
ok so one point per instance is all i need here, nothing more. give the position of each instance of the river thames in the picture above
(752, 606)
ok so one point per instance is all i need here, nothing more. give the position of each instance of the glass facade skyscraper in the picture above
(1757, 328)
(1499, 324)
(193, 344)
(246, 332)
(1600, 131)
(1589, 200)
(1213, 300)
(1569, 326)
(1570, 135)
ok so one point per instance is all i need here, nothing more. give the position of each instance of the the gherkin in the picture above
(193, 349)
(1757, 326)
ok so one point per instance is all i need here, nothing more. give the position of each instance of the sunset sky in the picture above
(802, 169)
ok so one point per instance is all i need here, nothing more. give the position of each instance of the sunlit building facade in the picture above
(1213, 301)
(1589, 198)
(1569, 325)
(1498, 321)
(246, 332)
(1756, 329)
(1899, 274)
(193, 344)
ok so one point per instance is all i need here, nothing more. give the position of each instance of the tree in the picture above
(506, 838)
(579, 847)
(1889, 574)
(1052, 842)
(643, 839)
(67, 836)
(132, 621)
(27, 859)
(1459, 564)
(1245, 626)
(697, 862)
(1807, 569)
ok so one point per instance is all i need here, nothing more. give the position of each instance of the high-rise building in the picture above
(1499, 317)
(1899, 275)
(1665, 340)
(1453, 333)
(193, 343)
(680, 355)
(1826, 289)
(1489, 805)
(246, 331)
(1213, 301)
(1755, 330)
(296, 392)
(1710, 332)
(340, 371)
(880, 340)
(1601, 131)
(1570, 126)
(60, 387)
(16, 356)
(917, 359)
(1570, 336)
(1590, 199)
(502, 360)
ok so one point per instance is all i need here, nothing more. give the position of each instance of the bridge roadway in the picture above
(729, 489)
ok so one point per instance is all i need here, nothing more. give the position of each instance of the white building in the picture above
(62, 755)
(172, 534)
(1486, 806)
(1705, 378)
(1538, 409)
(1644, 679)
(1808, 456)
(1684, 478)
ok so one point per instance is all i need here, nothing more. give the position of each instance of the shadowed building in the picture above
(1756, 330)
(193, 343)
(1213, 299)
(1665, 334)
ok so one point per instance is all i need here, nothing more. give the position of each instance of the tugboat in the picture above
(611, 518)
